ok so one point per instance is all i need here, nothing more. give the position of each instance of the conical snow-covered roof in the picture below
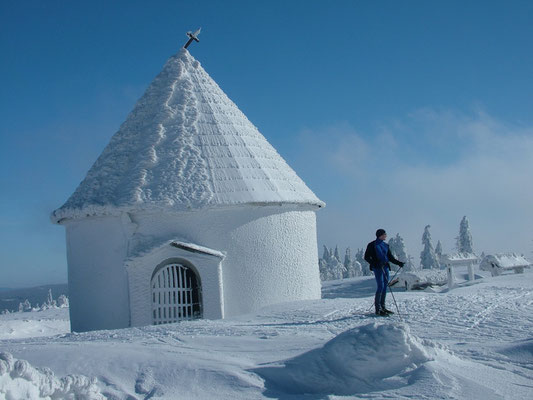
(185, 146)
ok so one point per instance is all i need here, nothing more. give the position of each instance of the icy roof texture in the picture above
(506, 260)
(185, 146)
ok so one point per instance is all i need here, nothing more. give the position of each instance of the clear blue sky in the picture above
(397, 114)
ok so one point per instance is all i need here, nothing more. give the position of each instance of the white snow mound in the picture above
(359, 360)
(20, 380)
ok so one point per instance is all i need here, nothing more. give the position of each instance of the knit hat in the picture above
(380, 232)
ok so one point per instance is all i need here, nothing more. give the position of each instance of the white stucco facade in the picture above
(255, 256)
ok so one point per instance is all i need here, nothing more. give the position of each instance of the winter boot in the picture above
(381, 312)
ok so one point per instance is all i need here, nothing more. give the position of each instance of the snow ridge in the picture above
(185, 146)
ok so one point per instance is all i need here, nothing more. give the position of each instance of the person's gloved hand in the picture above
(401, 264)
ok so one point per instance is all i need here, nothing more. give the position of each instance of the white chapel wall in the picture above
(98, 287)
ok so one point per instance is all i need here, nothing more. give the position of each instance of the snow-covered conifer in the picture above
(351, 269)
(337, 256)
(62, 301)
(25, 306)
(324, 271)
(428, 258)
(347, 264)
(325, 255)
(397, 247)
(336, 267)
(50, 302)
(330, 266)
(360, 257)
(438, 253)
(438, 249)
(464, 240)
(411, 263)
(357, 268)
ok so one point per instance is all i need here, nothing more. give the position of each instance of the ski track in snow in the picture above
(483, 331)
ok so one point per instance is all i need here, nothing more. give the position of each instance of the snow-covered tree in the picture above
(50, 302)
(352, 267)
(438, 249)
(397, 248)
(325, 255)
(428, 258)
(62, 301)
(330, 266)
(360, 258)
(25, 306)
(412, 263)
(464, 240)
(336, 254)
(357, 268)
(324, 271)
(335, 266)
(438, 252)
(323, 265)
(348, 273)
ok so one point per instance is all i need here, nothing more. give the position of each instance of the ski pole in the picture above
(396, 304)
(394, 276)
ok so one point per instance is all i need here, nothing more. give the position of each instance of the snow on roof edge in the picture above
(195, 248)
(150, 246)
(59, 215)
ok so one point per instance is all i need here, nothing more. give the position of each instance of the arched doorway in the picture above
(176, 293)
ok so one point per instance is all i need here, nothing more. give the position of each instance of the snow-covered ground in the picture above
(472, 342)
(34, 324)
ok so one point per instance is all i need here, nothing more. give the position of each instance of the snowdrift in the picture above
(20, 380)
(363, 359)
(520, 352)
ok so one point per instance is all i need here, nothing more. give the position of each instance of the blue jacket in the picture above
(371, 257)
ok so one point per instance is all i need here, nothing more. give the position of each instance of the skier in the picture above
(378, 255)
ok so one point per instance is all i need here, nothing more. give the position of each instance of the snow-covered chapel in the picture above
(188, 213)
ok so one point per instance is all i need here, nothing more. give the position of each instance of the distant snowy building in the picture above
(188, 212)
(498, 263)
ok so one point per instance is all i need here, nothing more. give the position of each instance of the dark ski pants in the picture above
(382, 279)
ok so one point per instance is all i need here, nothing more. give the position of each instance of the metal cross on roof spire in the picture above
(192, 36)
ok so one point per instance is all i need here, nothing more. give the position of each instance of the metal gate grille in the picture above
(175, 294)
